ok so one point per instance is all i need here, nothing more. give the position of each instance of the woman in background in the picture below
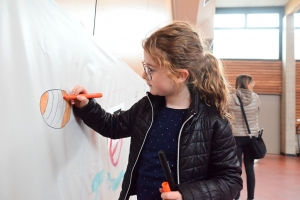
(244, 89)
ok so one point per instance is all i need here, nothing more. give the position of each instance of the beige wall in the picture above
(196, 13)
(269, 119)
(121, 25)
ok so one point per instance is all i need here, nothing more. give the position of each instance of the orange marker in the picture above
(166, 187)
(89, 96)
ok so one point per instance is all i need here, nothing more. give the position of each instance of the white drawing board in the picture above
(45, 151)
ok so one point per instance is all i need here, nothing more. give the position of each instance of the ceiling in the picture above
(249, 3)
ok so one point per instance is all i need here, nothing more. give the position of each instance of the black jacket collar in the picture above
(195, 106)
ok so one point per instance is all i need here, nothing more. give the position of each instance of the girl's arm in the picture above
(108, 125)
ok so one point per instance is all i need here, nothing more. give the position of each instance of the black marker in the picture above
(166, 168)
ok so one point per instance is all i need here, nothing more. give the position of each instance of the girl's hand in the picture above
(81, 101)
(170, 195)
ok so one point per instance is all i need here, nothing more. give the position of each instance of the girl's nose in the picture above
(144, 75)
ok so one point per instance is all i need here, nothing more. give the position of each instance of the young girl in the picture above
(244, 89)
(184, 114)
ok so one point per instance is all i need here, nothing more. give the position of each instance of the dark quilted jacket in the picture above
(207, 166)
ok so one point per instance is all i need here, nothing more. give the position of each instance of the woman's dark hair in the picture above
(242, 81)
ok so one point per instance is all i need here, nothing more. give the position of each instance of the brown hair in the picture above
(178, 46)
(242, 81)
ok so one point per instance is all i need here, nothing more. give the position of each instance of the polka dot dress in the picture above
(163, 135)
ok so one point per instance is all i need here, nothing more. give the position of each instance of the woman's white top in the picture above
(251, 103)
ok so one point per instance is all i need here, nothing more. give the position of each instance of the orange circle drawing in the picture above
(54, 109)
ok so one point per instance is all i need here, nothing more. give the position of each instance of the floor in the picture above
(277, 178)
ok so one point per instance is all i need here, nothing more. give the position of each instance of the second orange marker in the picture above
(166, 187)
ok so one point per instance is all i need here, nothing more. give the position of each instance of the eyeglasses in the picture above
(147, 70)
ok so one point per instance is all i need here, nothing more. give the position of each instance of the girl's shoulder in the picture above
(142, 102)
(214, 120)
(150, 100)
(211, 113)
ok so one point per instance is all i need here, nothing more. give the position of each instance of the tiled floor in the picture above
(277, 178)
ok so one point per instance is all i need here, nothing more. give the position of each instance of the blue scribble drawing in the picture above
(98, 179)
(115, 182)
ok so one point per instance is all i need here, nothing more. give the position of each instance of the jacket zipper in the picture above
(178, 146)
(140, 148)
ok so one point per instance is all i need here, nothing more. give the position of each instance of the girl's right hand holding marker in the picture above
(81, 101)
(173, 195)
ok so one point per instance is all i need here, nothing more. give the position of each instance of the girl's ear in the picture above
(182, 75)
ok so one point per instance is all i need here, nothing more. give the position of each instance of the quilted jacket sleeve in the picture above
(224, 174)
(108, 125)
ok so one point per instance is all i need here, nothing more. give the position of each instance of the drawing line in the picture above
(113, 151)
(51, 105)
(55, 109)
(62, 112)
(106, 98)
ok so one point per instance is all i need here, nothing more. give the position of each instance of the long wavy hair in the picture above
(179, 46)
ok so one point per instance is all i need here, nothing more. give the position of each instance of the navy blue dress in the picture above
(163, 135)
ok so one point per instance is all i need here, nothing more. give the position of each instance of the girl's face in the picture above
(156, 77)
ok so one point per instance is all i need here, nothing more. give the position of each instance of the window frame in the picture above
(255, 10)
(298, 28)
